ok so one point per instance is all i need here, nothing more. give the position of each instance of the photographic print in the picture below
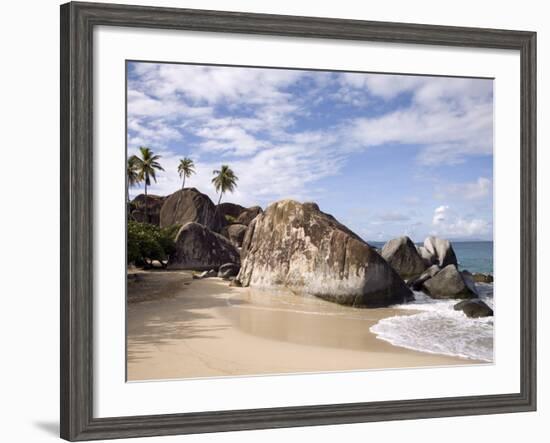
(295, 221)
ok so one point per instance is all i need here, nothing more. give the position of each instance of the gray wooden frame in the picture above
(77, 23)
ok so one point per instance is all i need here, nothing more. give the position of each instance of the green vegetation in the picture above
(224, 180)
(147, 242)
(146, 167)
(186, 169)
(230, 219)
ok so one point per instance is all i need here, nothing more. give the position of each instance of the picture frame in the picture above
(78, 21)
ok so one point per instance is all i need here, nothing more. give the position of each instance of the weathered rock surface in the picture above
(297, 246)
(229, 270)
(248, 215)
(197, 247)
(401, 254)
(235, 234)
(232, 210)
(482, 278)
(154, 205)
(448, 283)
(428, 258)
(189, 205)
(417, 283)
(442, 250)
(474, 308)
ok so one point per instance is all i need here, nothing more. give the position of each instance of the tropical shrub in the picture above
(147, 242)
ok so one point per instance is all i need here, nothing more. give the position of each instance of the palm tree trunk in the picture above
(183, 185)
(146, 211)
(220, 199)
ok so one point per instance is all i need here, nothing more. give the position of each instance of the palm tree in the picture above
(186, 168)
(132, 174)
(147, 165)
(224, 180)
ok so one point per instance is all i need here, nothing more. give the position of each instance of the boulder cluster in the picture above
(299, 247)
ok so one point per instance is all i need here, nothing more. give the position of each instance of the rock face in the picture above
(230, 209)
(189, 205)
(469, 281)
(154, 205)
(417, 283)
(448, 283)
(248, 215)
(428, 258)
(401, 254)
(474, 308)
(197, 247)
(235, 234)
(441, 250)
(297, 246)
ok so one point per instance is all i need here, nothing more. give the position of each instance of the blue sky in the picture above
(387, 155)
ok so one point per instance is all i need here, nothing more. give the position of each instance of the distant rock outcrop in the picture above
(441, 250)
(154, 205)
(297, 246)
(232, 210)
(474, 308)
(402, 256)
(248, 215)
(189, 205)
(197, 247)
(449, 283)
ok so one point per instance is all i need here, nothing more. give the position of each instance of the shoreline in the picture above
(184, 328)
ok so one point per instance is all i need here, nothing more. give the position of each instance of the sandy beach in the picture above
(184, 328)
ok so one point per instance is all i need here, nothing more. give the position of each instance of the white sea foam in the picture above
(437, 328)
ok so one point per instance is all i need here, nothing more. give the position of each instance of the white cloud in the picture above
(479, 189)
(451, 118)
(447, 223)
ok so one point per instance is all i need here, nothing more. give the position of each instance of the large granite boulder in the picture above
(474, 308)
(189, 205)
(441, 250)
(197, 247)
(417, 283)
(235, 233)
(154, 205)
(230, 211)
(248, 215)
(448, 283)
(402, 256)
(299, 247)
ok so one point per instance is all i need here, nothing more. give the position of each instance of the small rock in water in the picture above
(482, 278)
(474, 308)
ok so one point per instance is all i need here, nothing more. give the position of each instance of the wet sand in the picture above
(184, 328)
